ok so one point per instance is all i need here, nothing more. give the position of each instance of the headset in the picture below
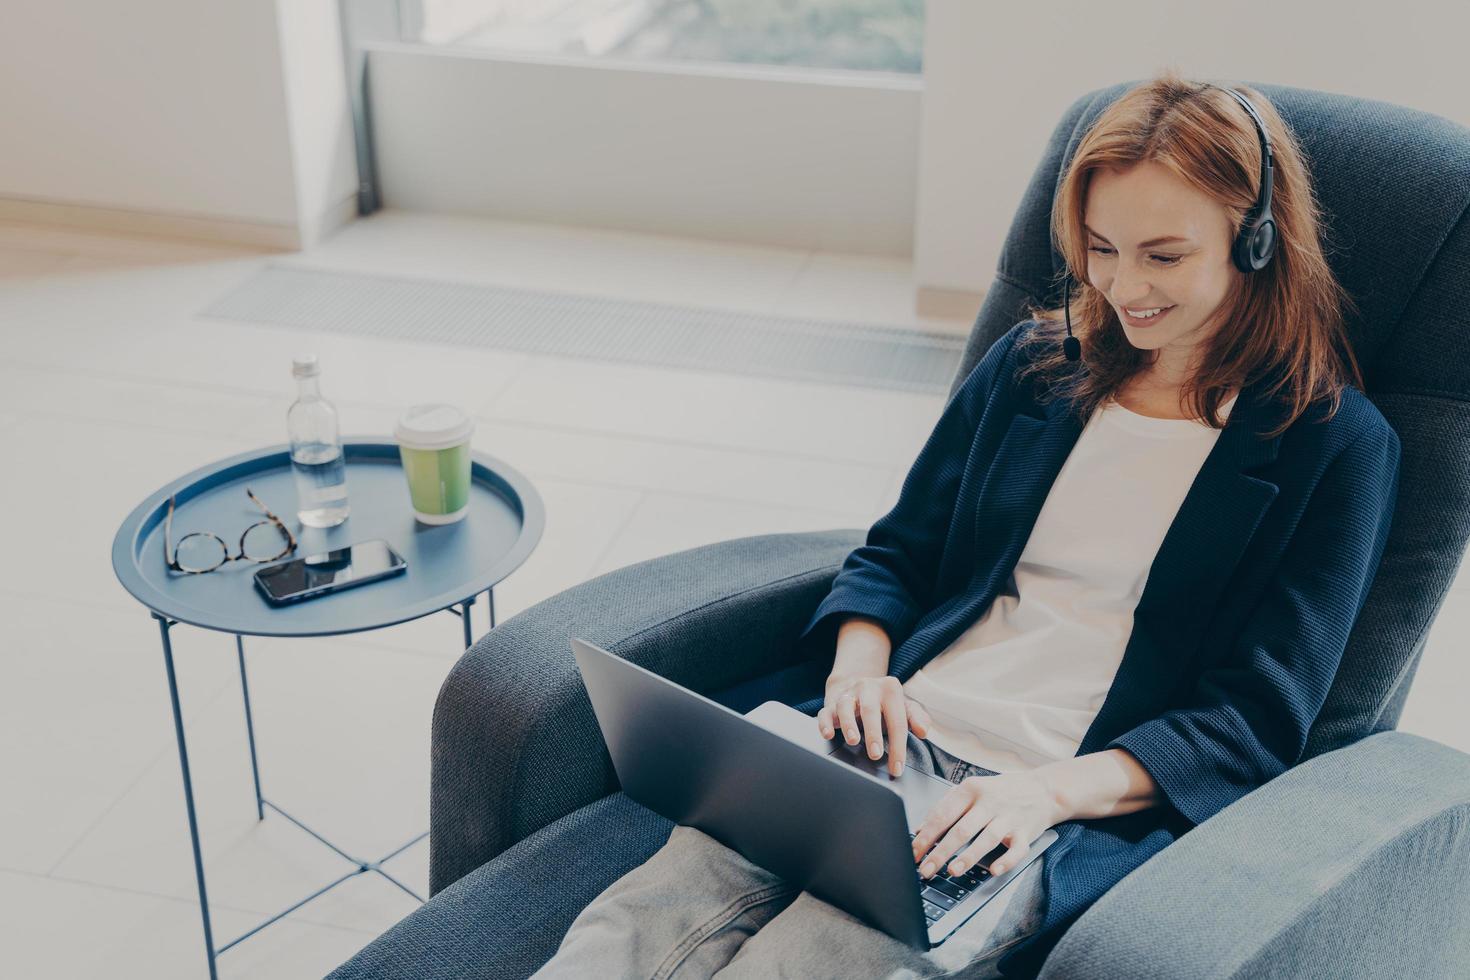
(1254, 244)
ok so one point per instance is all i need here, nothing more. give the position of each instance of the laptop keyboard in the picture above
(944, 891)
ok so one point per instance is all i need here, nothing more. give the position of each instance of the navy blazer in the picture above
(1236, 637)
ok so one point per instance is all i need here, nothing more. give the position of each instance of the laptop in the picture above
(819, 813)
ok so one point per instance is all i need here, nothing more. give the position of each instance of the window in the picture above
(880, 35)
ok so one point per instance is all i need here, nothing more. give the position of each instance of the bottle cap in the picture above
(433, 426)
(305, 366)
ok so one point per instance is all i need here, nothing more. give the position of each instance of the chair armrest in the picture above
(515, 744)
(1355, 863)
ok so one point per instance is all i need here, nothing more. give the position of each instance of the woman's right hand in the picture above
(876, 701)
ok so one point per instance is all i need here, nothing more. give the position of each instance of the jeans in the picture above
(699, 909)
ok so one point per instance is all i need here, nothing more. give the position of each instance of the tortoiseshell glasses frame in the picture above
(171, 553)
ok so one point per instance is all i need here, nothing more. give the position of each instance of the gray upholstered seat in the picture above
(1355, 863)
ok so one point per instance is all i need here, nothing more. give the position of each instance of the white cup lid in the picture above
(433, 426)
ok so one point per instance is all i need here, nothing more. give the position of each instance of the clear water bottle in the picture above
(316, 450)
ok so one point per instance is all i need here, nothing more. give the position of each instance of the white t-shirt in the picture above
(1021, 686)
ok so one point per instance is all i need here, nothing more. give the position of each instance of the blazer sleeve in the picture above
(891, 577)
(1247, 719)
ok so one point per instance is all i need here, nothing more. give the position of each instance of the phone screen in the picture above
(329, 571)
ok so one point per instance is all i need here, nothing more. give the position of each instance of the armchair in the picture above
(1355, 863)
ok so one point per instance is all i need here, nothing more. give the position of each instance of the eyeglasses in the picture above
(200, 551)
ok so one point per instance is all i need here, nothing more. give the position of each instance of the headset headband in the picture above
(1256, 241)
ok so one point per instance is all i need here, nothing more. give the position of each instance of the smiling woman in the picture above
(991, 615)
(1149, 208)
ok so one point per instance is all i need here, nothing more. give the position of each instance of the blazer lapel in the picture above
(1036, 444)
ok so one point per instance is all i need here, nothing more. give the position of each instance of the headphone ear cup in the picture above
(1263, 242)
(1255, 245)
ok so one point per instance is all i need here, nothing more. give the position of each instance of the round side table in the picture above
(448, 567)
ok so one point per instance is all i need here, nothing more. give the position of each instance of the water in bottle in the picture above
(316, 450)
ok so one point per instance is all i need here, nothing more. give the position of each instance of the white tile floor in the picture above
(105, 365)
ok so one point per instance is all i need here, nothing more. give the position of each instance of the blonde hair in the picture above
(1283, 323)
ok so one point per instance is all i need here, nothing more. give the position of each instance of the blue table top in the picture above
(446, 564)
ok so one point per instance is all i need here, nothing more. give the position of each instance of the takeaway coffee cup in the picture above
(434, 445)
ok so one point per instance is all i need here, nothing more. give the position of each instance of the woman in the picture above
(1003, 670)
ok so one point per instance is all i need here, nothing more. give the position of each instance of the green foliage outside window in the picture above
(883, 35)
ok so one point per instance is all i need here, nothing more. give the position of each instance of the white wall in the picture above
(798, 159)
(232, 114)
(319, 116)
(997, 78)
(176, 109)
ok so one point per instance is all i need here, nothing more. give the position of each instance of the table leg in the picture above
(462, 610)
(464, 619)
(173, 693)
(250, 729)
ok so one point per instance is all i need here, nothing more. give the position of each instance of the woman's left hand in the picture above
(1007, 810)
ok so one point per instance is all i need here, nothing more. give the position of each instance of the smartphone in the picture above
(328, 572)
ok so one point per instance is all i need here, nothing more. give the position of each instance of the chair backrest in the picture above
(1394, 185)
